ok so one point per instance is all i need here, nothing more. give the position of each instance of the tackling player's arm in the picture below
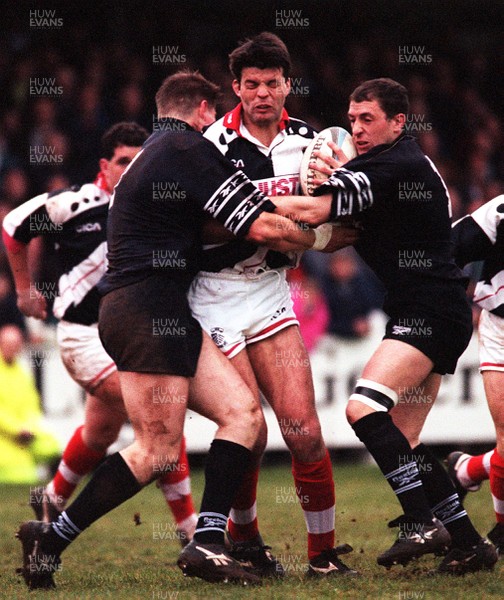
(282, 234)
(16, 236)
(278, 233)
(231, 198)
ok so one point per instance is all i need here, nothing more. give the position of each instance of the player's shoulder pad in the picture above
(66, 204)
(298, 127)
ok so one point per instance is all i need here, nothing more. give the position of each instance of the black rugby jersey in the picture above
(161, 201)
(480, 236)
(402, 203)
(74, 220)
(274, 171)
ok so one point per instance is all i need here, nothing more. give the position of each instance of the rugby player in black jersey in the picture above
(74, 220)
(147, 328)
(405, 239)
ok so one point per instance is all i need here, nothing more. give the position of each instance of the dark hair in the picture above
(264, 51)
(390, 95)
(182, 92)
(126, 133)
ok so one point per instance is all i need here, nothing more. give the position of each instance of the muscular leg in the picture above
(243, 524)
(409, 416)
(282, 367)
(395, 366)
(218, 392)
(104, 414)
(104, 417)
(494, 390)
(413, 407)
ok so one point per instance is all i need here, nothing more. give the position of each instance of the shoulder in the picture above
(220, 135)
(301, 128)
(65, 204)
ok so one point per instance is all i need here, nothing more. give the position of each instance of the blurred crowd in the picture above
(64, 84)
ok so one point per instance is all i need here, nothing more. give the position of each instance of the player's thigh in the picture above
(414, 405)
(156, 406)
(282, 367)
(397, 365)
(217, 391)
(494, 390)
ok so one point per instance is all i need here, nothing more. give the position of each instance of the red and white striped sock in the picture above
(242, 522)
(315, 490)
(78, 460)
(176, 487)
(476, 469)
(497, 485)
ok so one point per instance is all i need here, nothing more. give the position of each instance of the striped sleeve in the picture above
(237, 203)
(222, 191)
(351, 192)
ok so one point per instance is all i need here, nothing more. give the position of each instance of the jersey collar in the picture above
(101, 182)
(233, 119)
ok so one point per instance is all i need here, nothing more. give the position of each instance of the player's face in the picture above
(263, 93)
(370, 125)
(113, 169)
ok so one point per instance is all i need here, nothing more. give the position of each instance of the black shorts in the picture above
(439, 337)
(147, 327)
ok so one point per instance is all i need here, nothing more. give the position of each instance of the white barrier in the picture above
(459, 416)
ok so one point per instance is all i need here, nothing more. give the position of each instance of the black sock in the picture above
(444, 500)
(112, 484)
(393, 454)
(224, 471)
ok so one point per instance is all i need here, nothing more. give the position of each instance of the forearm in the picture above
(279, 233)
(30, 301)
(18, 261)
(304, 209)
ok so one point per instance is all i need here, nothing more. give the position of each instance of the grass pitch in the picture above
(118, 558)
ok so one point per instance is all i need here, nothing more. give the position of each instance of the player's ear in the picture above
(288, 84)
(400, 121)
(103, 165)
(236, 87)
(203, 107)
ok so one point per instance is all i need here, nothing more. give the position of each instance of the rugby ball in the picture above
(340, 137)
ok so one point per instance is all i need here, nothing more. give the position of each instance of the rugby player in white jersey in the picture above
(242, 300)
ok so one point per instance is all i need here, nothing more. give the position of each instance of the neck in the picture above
(265, 133)
(191, 120)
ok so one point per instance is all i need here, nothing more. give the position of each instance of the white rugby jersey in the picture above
(75, 221)
(480, 236)
(274, 170)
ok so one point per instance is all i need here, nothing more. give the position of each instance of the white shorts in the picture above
(491, 342)
(83, 354)
(236, 310)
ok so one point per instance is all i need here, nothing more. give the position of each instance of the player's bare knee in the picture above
(255, 417)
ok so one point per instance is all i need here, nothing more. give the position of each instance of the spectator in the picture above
(350, 294)
(25, 443)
